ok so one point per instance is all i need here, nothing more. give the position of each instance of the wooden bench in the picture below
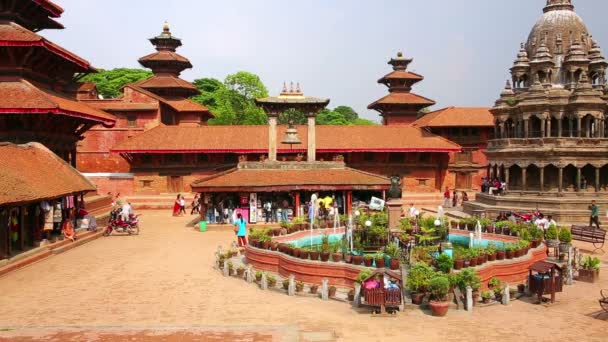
(589, 234)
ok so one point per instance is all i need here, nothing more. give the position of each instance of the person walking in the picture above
(196, 205)
(176, 205)
(454, 199)
(284, 211)
(595, 215)
(240, 230)
(182, 206)
(268, 211)
(446, 198)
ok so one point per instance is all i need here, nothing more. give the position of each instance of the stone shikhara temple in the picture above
(551, 145)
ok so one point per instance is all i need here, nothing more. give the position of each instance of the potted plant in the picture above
(332, 291)
(272, 281)
(565, 238)
(551, 236)
(240, 271)
(304, 253)
(536, 236)
(296, 252)
(285, 284)
(590, 271)
(500, 252)
(299, 286)
(418, 281)
(486, 296)
(363, 275)
(265, 241)
(444, 263)
(314, 288)
(274, 245)
(473, 253)
(336, 252)
(379, 258)
(230, 268)
(314, 254)
(498, 293)
(521, 288)
(368, 260)
(491, 251)
(439, 287)
(325, 248)
(510, 250)
(351, 295)
(459, 254)
(358, 257)
(258, 276)
(393, 251)
(468, 277)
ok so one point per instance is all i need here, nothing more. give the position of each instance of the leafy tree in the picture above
(331, 117)
(209, 88)
(349, 114)
(296, 117)
(364, 122)
(110, 82)
(246, 84)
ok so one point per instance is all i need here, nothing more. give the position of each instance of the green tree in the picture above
(349, 114)
(246, 84)
(296, 117)
(209, 88)
(110, 82)
(331, 117)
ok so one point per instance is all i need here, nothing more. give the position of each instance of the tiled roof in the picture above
(403, 75)
(118, 106)
(165, 56)
(293, 179)
(53, 9)
(31, 172)
(14, 35)
(254, 139)
(457, 117)
(402, 98)
(159, 82)
(21, 96)
(185, 105)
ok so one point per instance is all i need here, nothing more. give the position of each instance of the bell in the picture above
(291, 136)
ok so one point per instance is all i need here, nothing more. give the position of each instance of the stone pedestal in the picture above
(394, 212)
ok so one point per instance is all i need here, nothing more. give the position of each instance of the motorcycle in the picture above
(117, 225)
(528, 217)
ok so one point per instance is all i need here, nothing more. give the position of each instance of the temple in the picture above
(550, 144)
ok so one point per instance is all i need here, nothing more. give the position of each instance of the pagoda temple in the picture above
(550, 141)
(400, 106)
(37, 101)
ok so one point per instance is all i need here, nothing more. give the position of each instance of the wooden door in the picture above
(463, 181)
(175, 184)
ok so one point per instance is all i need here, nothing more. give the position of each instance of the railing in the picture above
(563, 141)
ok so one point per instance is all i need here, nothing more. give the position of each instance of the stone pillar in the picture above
(597, 179)
(264, 282)
(249, 274)
(502, 131)
(325, 289)
(549, 128)
(560, 180)
(508, 178)
(469, 296)
(357, 299)
(524, 180)
(312, 142)
(542, 179)
(349, 202)
(543, 122)
(291, 289)
(394, 212)
(559, 128)
(578, 179)
(272, 137)
(506, 295)
(296, 202)
(526, 128)
(596, 131)
(579, 127)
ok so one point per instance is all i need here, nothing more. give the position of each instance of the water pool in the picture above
(316, 240)
(459, 240)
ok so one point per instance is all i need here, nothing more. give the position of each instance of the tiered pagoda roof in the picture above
(457, 117)
(400, 102)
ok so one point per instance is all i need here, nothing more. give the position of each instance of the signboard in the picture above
(253, 207)
(376, 204)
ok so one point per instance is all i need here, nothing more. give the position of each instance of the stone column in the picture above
(502, 131)
(526, 128)
(597, 179)
(524, 181)
(542, 179)
(559, 128)
(596, 131)
(394, 212)
(507, 178)
(272, 137)
(560, 180)
(578, 179)
(311, 154)
(549, 128)
(579, 127)
(296, 204)
(543, 122)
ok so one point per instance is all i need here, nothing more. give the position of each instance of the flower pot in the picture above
(272, 283)
(304, 254)
(240, 272)
(253, 242)
(265, 245)
(296, 252)
(314, 289)
(324, 256)
(454, 224)
(336, 257)
(458, 264)
(486, 300)
(276, 231)
(498, 297)
(506, 231)
(500, 255)
(517, 253)
(473, 262)
(394, 264)
(380, 262)
(491, 229)
(491, 256)
(274, 245)
(368, 262)
(351, 295)
(509, 254)
(418, 297)
(299, 287)
(348, 258)
(535, 243)
(289, 250)
(564, 247)
(258, 278)
(467, 263)
(357, 259)
(284, 231)
(439, 309)
(314, 255)
(286, 285)
(231, 272)
(521, 288)
(552, 243)
(588, 276)
(332, 291)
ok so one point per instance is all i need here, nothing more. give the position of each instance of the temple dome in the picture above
(558, 28)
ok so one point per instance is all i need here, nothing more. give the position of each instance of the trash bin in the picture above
(202, 226)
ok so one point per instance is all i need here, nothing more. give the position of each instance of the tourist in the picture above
(57, 216)
(275, 211)
(595, 215)
(196, 205)
(551, 221)
(412, 211)
(47, 209)
(583, 183)
(494, 186)
(126, 212)
(220, 212)
(454, 199)
(465, 197)
(67, 228)
(285, 211)
(241, 230)
(182, 206)
(216, 214)
(484, 185)
(268, 211)
(511, 217)
(541, 222)
(446, 198)
(502, 216)
(177, 205)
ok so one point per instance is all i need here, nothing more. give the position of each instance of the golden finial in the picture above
(399, 54)
(291, 88)
(166, 26)
(298, 89)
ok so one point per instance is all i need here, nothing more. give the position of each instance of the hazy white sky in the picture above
(335, 48)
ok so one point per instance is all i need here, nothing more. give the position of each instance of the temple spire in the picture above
(559, 5)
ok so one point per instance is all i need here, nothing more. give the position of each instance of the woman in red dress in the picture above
(177, 206)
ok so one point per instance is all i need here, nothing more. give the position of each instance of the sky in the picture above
(336, 49)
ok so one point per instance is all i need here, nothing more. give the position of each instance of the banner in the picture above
(253, 207)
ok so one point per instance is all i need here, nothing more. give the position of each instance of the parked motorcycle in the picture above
(117, 225)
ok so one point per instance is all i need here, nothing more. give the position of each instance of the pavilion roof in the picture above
(168, 82)
(402, 98)
(292, 100)
(457, 117)
(401, 75)
(254, 139)
(14, 35)
(54, 10)
(21, 96)
(165, 56)
(177, 103)
(120, 106)
(272, 179)
(32, 173)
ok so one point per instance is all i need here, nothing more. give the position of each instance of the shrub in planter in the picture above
(379, 258)
(325, 248)
(498, 293)
(590, 271)
(351, 295)
(494, 283)
(486, 296)
(332, 291)
(500, 252)
(314, 288)
(551, 236)
(364, 274)
(393, 251)
(304, 253)
(258, 276)
(368, 260)
(299, 286)
(296, 252)
(468, 277)
(565, 238)
(314, 255)
(357, 259)
(510, 251)
(272, 281)
(348, 258)
(274, 245)
(230, 268)
(336, 252)
(444, 263)
(439, 287)
(286, 284)
(418, 281)
(240, 271)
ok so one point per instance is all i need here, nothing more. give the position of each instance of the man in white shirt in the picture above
(541, 222)
(126, 212)
(412, 210)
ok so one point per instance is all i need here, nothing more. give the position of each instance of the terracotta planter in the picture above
(500, 255)
(288, 250)
(324, 256)
(517, 253)
(458, 264)
(473, 262)
(588, 276)
(296, 252)
(253, 242)
(466, 264)
(357, 259)
(491, 229)
(276, 231)
(418, 298)
(509, 254)
(272, 283)
(258, 278)
(535, 243)
(506, 231)
(486, 300)
(454, 225)
(332, 292)
(274, 246)
(265, 245)
(304, 254)
(299, 287)
(492, 256)
(314, 255)
(379, 262)
(348, 258)
(368, 262)
(240, 272)
(336, 257)
(394, 264)
(285, 286)
(564, 247)
(439, 309)
(351, 295)
(314, 289)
